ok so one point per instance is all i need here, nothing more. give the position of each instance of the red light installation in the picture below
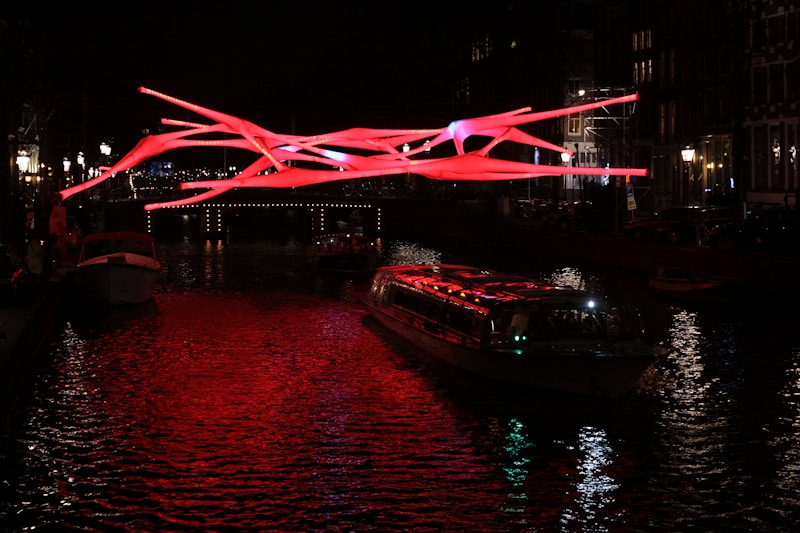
(333, 157)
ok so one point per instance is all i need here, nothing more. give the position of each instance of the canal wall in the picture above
(25, 331)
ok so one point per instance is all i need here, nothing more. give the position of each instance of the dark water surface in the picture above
(253, 394)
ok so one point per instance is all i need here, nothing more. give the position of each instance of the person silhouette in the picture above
(519, 322)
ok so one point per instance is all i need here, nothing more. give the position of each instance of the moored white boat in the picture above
(116, 268)
(512, 329)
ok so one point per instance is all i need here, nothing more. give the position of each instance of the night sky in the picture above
(291, 67)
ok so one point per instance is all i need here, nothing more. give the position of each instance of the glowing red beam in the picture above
(331, 149)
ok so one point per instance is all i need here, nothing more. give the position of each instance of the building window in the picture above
(793, 80)
(461, 91)
(712, 104)
(776, 30)
(760, 162)
(778, 181)
(671, 124)
(759, 86)
(481, 49)
(672, 67)
(776, 92)
(574, 125)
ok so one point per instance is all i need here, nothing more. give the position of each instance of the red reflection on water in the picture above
(258, 407)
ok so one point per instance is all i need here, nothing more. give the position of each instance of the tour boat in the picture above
(512, 329)
(345, 252)
(116, 268)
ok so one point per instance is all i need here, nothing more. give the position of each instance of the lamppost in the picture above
(687, 154)
(565, 157)
(105, 154)
(23, 162)
(81, 160)
(67, 165)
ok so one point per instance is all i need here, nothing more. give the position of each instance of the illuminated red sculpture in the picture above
(329, 152)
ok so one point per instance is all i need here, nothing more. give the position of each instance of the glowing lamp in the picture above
(687, 154)
(23, 160)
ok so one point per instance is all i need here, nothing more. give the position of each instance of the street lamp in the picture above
(81, 160)
(565, 157)
(67, 165)
(687, 154)
(23, 160)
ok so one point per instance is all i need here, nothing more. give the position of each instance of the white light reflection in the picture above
(405, 253)
(594, 489)
(686, 359)
(568, 276)
(787, 436)
(573, 277)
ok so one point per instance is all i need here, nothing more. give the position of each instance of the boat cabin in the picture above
(496, 310)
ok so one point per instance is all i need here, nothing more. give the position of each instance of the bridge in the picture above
(295, 217)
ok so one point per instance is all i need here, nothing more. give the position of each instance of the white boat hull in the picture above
(587, 371)
(109, 283)
(116, 268)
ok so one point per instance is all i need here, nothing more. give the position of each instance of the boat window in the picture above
(558, 322)
(440, 312)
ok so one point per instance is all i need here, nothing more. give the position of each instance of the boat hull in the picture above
(116, 268)
(107, 283)
(344, 252)
(676, 284)
(585, 371)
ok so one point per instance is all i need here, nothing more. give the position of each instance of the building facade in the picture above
(719, 82)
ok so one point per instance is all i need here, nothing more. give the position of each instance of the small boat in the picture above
(116, 268)
(680, 284)
(512, 329)
(345, 252)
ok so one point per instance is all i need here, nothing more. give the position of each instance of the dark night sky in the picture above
(329, 64)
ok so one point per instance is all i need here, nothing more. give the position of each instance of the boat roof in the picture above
(481, 287)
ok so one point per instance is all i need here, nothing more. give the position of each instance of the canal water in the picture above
(253, 394)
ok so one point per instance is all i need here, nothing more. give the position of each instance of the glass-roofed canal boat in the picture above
(514, 329)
